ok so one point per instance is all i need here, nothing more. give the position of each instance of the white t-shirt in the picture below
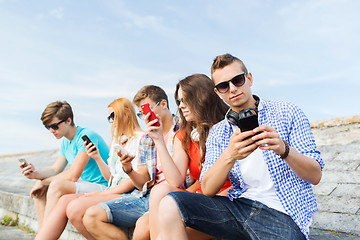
(117, 173)
(257, 180)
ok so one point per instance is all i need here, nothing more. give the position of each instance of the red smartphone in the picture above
(147, 109)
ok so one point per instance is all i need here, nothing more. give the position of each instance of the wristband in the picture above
(287, 150)
(128, 171)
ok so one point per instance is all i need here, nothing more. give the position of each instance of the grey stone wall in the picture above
(338, 194)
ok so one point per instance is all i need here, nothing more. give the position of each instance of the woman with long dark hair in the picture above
(200, 108)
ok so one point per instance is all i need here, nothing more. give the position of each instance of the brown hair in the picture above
(224, 60)
(155, 93)
(204, 103)
(60, 109)
(123, 108)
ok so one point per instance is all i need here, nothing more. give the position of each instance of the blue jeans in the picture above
(238, 219)
(127, 209)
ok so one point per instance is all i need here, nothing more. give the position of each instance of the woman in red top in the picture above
(200, 108)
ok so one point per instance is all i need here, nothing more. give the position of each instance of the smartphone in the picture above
(147, 109)
(121, 149)
(22, 160)
(87, 141)
(248, 123)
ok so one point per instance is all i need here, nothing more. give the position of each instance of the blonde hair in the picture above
(123, 108)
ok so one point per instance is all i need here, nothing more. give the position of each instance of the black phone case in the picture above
(87, 140)
(248, 123)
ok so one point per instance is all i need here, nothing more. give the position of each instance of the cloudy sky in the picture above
(92, 52)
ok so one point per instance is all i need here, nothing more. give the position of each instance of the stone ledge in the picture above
(337, 222)
(22, 206)
(340, 121)
(338, 204)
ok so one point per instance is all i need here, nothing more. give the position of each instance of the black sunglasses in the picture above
(111, 116)
(178, 101)
(54, 126)
(238, 81)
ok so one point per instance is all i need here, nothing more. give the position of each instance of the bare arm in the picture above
(139, 177)
(75, 171)
(194, 187)
(174, 167)
(306, 168)
(31, 173)
(104, 168)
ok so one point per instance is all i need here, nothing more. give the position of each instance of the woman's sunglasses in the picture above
(178, 101)
(111, 116)
(54, 126)
(238, 81)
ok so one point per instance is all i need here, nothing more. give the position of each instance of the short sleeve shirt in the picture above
(70, 149)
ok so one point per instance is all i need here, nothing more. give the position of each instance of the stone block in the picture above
(349, 190)
(338, 222)
(341, 177)
(349, 154)
(342, 204)
(345, 165)
(324, 188)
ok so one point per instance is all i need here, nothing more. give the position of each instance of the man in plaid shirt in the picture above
(271, 169)
(103, 220)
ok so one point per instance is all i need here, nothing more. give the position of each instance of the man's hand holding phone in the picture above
(91, 149)
(153, 125)
(268, 139)
(28, 170)
(150, 114)
(241, 145)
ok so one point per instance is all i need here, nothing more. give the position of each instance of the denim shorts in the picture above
(238, 219)
(127, 209)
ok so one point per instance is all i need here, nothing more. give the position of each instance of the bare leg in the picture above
(96, 223)
(176, 230)
(157, 193)
(57, 188)
(53, 228)
(142, 228)
(76, 209)
(40, 203)
(197, 235)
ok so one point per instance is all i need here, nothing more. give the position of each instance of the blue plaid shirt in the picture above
(295, 194)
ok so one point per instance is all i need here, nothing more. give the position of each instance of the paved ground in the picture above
(10, 233)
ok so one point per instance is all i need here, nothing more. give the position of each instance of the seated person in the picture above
(126, 132)
(271, 169)
(103, 221)
(83, 176)
(200, 108)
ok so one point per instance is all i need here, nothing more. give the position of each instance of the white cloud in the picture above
(57, 13)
